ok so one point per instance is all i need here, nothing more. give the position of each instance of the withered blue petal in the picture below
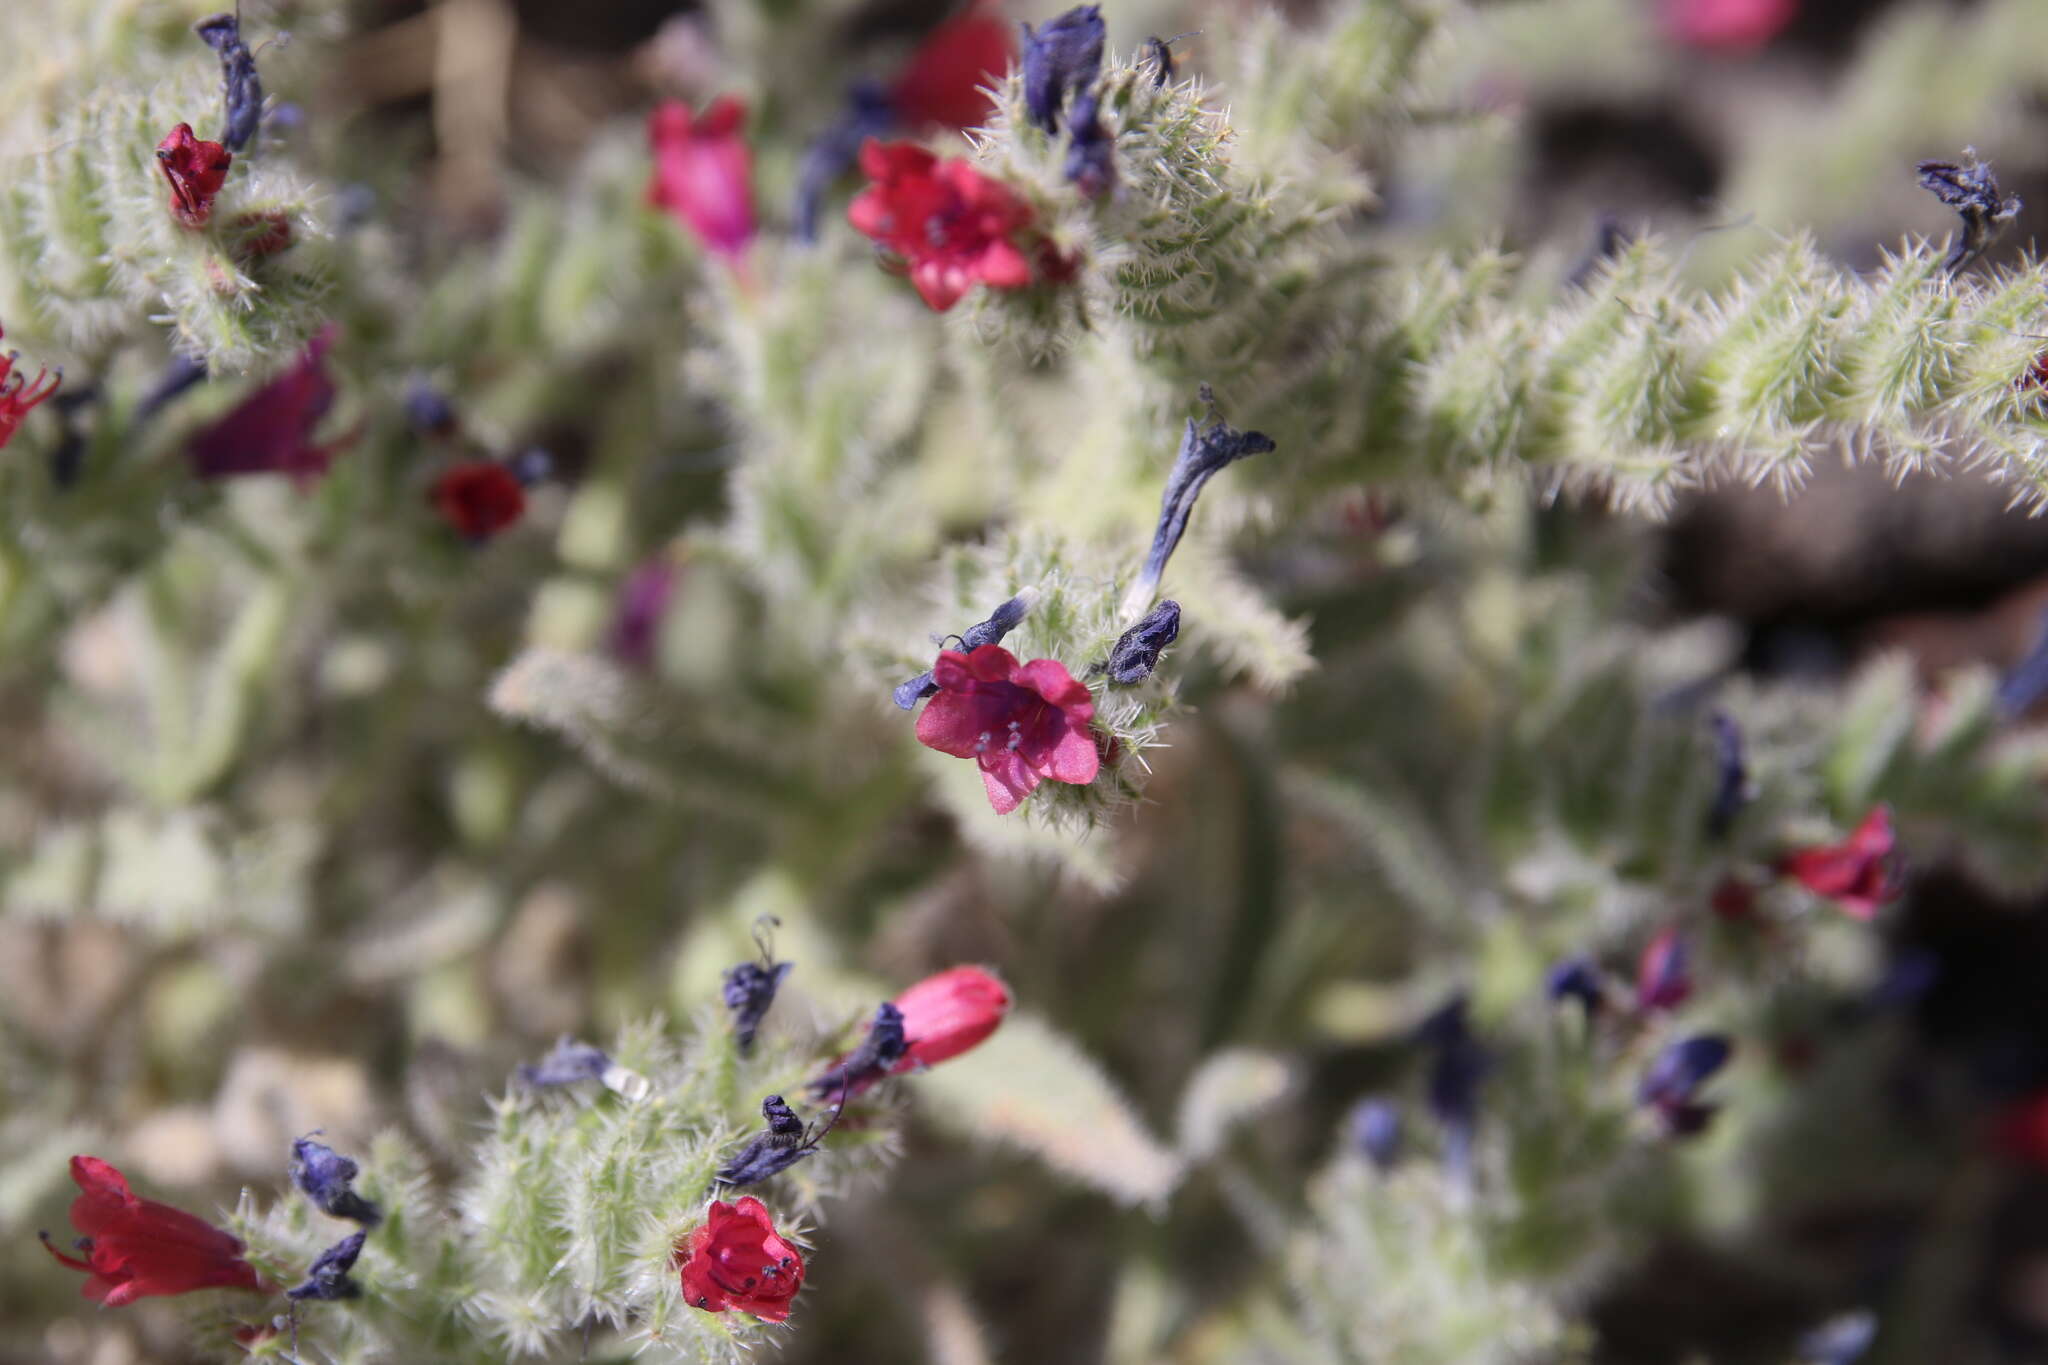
(1062, 58)
(1136, 652)
(327, 1178)
(242, 88)
(570, 1062)
(328, 1279)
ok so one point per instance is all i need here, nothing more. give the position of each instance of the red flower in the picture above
(737, 1260)
(19, 393)
(271, 432)
(479, 498)
(196, 171)
(953, 224)
(945, 1015)
(136, 1248)
(1022, 723)
(703, 172)
(1726, 25)
(1858, 873)
(944, 82)
(1733, 901)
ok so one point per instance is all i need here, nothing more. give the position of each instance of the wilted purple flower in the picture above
(180, 375)
(1203, 451)
(1456, 1068)
(642, 607)
(750, 987)
(1663, 975)
(832, 153)
(786, 1142)
(1136, 652)
(1576, 978)
(877, 1053)
(1675, 1077)
(326, 1177)
(240, 85)
(1091, 149)
(1065, 56)
(1731, 776)
(570, 1062)
(1972, 191)
(1375, 1126)
(428, 409)
(328, 1279)
(1001, 622)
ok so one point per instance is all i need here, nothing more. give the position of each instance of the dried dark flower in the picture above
(832, 153)
(2027, 682)
(178, 377)
(1375, 1126)
(1456, 1068)
(787, 1141)
(241, 88)
(878, 1051)
(1203, 451)
(1136, 652)
(1091, 151)
(1731, 776)
(750, 987)
(570, 1062)
(1672, 1083)
(1972, 191)
(1061, 58)
(1000, 622)
(327, 1279)
(1576, 978)
(428, 409)
(327, 1178)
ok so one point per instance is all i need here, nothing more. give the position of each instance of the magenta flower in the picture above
(1022, 723)
(271, 432)
(703, 172)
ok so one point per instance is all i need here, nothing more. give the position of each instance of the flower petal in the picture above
(1007, 778)
(1074, 759)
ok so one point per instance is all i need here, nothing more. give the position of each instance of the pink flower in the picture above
(135, 1248)
(956, 226)
(1858, 873)
(703, 172)
(271, 431)
(1725, 25)
(1022, 723)
(944, 83)
(1664, 976)
(19, 394)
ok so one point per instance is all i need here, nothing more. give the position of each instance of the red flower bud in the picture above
(735, 1259)
(196, 171)
(135, 1248)
(703, 172)
(945, 1015)
(479, 498)
(1858, 873)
